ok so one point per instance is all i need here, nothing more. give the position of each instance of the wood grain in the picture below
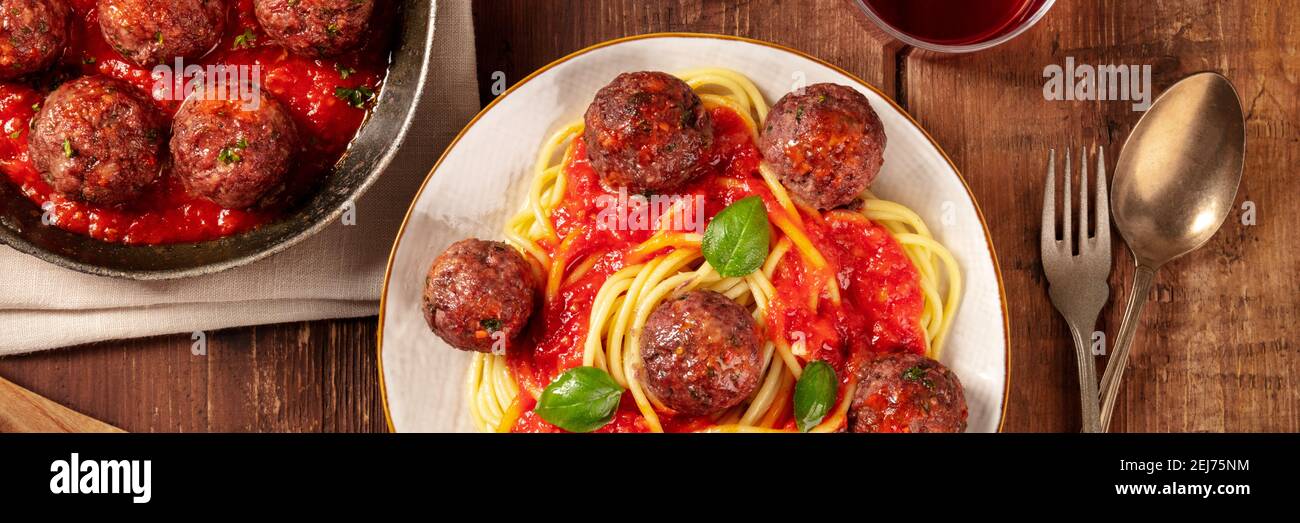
(297, 377)
(22, 410)
(1218, 349)
(518, 36)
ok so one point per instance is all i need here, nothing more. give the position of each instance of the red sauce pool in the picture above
(166, 213)
(880, 305)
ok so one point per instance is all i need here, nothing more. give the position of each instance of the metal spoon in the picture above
(1175, 182)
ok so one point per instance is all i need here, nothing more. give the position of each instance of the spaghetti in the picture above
(875, 270)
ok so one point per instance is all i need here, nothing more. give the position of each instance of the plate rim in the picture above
(401, 231)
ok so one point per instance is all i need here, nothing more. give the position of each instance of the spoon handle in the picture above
(1110, 380)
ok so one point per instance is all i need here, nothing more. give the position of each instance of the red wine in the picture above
(955, 22)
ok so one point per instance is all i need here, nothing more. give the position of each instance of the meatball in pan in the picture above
(33, 35)
(315, 28)
(647, 131)
(826, 144)
(98, 139)
(236, 153)
(701, 353)
(478, 293)
(152, 32)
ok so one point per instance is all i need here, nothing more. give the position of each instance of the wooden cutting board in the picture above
(22, 410)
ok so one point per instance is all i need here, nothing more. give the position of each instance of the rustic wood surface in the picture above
(1218, 345)
(22, 410)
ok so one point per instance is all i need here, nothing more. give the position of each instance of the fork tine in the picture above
(1067, 208)
(1048, 236)
(1083, 200)
(1103, 202)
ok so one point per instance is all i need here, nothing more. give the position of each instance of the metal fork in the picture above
(1077, 282)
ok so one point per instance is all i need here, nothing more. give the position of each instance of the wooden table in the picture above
(1218, 347)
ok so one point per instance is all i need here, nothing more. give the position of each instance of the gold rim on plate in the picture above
(988, 240)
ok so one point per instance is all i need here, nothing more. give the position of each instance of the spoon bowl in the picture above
(1174, 185)
(1178, 174)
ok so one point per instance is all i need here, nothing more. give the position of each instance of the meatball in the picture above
(647, 131)
(97, 139)
(826, 145)
(33, 34)
(315, 28)
(907, 393)
(475, 289)
(701, 353)
(236, 153)
(152, 32)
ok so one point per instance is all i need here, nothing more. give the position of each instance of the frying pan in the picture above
(367, 157)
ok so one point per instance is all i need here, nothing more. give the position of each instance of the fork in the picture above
(1077, 282)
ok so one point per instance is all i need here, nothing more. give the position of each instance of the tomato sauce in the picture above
(880, 294)
(879, 310)
(166, 213)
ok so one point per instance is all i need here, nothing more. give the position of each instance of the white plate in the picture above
(481, 179)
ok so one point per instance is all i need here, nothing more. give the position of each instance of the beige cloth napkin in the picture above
(335, 274)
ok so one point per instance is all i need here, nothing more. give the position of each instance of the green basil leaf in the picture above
(582, 399)
(736, 240)
(814, 394)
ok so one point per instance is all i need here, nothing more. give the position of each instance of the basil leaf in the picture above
(582, 399)
(813, 395)
(736, 240)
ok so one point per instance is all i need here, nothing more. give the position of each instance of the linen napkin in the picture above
(336, 274)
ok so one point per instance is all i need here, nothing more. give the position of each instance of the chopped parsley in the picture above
(67, 148)
(914, 373)
(230, 154)
(357, 97)
(344, 71)
(491, 324)
(245, 40)
(157, 35)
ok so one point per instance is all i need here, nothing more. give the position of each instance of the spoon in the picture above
(1175, 182)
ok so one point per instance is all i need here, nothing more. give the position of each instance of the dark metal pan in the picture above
(370, 153)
